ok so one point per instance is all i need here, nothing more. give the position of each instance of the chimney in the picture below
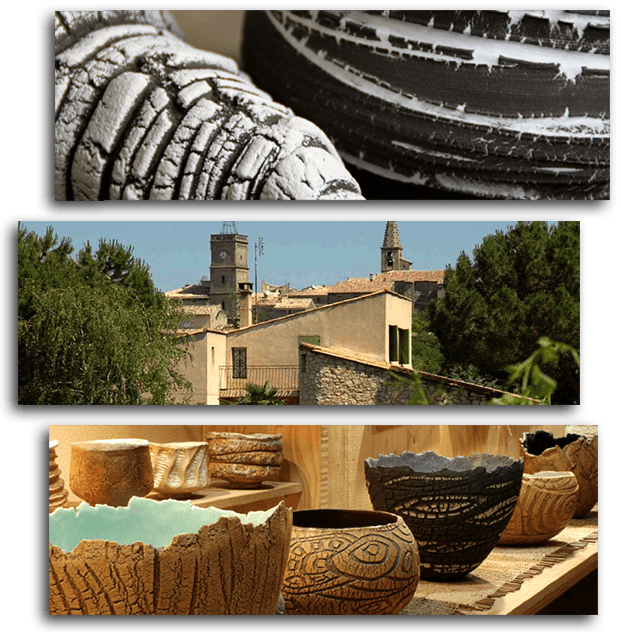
(245, 304)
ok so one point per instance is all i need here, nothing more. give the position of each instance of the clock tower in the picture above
(229, 268)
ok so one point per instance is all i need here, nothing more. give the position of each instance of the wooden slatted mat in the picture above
(507, 570)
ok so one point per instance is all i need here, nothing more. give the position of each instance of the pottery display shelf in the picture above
(516, 579)
(219, 495)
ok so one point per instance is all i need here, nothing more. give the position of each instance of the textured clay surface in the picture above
(179, 468)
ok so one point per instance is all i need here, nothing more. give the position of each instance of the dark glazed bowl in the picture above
(456, 508)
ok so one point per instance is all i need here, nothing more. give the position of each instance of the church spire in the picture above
(391, 236)
(391, 251)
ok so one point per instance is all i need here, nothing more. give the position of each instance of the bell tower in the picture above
(229, 268)
(391, 251)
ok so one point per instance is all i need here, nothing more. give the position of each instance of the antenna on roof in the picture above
(228, 228)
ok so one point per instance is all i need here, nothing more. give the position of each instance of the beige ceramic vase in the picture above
(58, 493)
(545, 506)
(350, 562)
(110, 471)
(571, 453)
(166, 557)
(245, 461)
(179, 469)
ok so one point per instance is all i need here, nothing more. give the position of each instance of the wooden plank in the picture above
(219, 495)
(543, 589)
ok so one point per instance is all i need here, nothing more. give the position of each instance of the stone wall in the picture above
(327, 379)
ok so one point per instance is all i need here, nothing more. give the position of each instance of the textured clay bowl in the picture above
(546, 505)
(244, 460)
(166, 558)
(350, 562)
(179, 469)
(571, 453)
(491, 103)
(110, 471)
(456, 508)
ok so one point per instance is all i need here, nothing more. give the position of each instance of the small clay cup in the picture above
(350, 562)
(179, 469)
(571, 453)
(110, 471)
(546, 505)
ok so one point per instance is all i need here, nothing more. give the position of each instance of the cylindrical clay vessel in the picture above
(488, 103)
(179, 469)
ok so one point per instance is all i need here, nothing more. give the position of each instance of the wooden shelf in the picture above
(542, 590)
(219, 495)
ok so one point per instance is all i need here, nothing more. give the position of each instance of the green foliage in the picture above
(533, 383)
(259, 396)
(426, 350)
(92, 329)
(521, 285)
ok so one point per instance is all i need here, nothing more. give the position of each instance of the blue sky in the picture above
(301, 253)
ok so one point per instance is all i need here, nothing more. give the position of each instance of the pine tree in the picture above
(520, 286)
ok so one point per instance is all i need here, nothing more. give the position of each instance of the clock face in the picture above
(223, 254)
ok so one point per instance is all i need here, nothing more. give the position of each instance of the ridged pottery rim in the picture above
(246, 437)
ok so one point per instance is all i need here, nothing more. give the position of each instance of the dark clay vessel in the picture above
(456, 508)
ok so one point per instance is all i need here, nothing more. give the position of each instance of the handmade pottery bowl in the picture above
(244, 460)
(491, 103)
(110, 471)
(166, 557)
(58, 493)
(546, 505)
(456, 508)
(571, 453)
(350, 562)
(179, 469)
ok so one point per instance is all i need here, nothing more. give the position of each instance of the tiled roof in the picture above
(435, 276)
(320, 290)
(360, 285)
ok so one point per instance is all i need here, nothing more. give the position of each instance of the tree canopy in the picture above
(92, 329)
(520, 286)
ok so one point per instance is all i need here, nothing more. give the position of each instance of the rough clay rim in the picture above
(507, 467)
(278, 511)
(585, 441)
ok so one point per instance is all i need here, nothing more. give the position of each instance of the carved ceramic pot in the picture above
(58, 493)
(166, 558)
(140, 114)
(571, 453)
(179, 469)
(244, 460)
(546, 505)
(350, 562)
(456, 508)
(491, 103)
(110, 471)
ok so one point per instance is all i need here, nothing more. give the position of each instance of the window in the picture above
(404, 346)
(393, 343)
(223, 279)
(398, 345)
(239, 363)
